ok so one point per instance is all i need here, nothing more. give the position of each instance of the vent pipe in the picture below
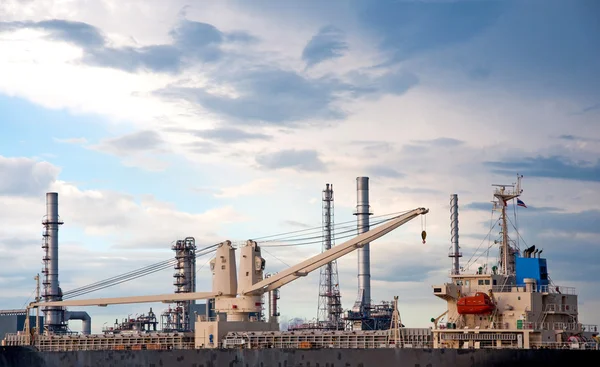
(363, 211)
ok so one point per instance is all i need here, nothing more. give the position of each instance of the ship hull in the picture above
(27, 357)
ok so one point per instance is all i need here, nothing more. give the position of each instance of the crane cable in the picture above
(128, 276)
(134, 274)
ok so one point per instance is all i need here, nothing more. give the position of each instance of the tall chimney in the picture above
(363, 211)
(455, 253)
(54, 316)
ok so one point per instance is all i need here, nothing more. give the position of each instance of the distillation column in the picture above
(455, 253)
(185, 281)
(363, 211)
(54, 317)
(330, 306)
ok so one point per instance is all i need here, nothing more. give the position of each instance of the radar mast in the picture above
(504, 193)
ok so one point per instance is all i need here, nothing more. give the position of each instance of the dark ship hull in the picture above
(27, 357)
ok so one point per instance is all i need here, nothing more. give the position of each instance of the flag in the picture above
(521, 203)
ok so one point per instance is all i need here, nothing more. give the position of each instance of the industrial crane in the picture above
(237, 297)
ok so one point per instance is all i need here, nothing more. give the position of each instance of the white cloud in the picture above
(259, 186)
(129, 224)
(24, 176)
(80, 141)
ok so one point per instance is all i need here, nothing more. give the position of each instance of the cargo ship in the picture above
(509, 314)
(513, 304)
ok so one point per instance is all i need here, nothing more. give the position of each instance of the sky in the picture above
(224, 120)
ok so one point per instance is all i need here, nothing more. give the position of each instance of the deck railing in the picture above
(556, 307)
(541, 288)
(567, 345)
(569, 326)
(556, 289)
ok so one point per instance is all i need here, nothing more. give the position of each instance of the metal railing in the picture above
(205, 319)
(589, 327)
(556, 289)
(541, 289)
(565, 345)
(569, 326)
(555, 307)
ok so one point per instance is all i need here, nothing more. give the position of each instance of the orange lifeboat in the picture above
(480, 303)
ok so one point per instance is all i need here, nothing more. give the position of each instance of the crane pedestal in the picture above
(238, 308)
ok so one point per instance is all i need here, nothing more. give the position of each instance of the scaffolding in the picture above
(178, 318)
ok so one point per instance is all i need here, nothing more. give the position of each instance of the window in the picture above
(494, 282)
(487, 282)
(480, 282)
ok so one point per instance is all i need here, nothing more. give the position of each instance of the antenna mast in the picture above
(504, 193)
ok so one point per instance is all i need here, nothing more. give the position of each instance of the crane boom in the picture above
(165, 298)
(315, 262)
(267, 284)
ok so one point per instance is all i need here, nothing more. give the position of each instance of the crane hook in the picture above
(423, 227)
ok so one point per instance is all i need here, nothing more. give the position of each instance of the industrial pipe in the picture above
(86, 320)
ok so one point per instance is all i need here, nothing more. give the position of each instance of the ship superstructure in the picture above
(513, 304)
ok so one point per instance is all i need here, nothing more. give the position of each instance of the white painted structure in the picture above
(526, 314)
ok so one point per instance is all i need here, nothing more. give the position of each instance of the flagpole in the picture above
(517, 226)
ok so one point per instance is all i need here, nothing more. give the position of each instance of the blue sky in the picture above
(224, 120)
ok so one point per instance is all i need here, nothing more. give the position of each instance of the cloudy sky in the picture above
(158, 120)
